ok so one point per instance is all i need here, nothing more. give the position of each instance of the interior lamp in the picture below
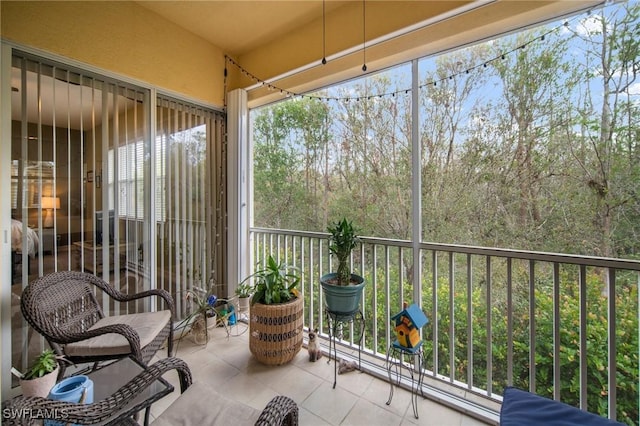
(49, 203)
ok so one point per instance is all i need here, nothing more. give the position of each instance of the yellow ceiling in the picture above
(240, 26)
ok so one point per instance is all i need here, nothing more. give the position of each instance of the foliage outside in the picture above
(536, 151)
(535, 148)
(543, 319)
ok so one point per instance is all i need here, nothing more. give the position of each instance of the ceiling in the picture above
(240, 26)
(237, 27)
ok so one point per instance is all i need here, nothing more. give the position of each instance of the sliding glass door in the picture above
(80, 173)
(111, 179)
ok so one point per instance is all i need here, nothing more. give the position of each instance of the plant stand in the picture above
(336, 323)
(396, 361)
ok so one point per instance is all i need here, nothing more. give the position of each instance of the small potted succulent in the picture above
(244, 292)
(342, 289)
(41, 375)
(276, 318)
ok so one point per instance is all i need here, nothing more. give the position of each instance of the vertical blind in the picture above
(83, 140)
(190, 180)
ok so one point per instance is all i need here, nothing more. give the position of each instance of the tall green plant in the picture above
(342, 240)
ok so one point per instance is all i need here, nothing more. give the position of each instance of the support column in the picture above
(238, 188)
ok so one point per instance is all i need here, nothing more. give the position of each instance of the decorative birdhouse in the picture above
(408, 324)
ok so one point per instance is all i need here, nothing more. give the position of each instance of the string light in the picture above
(434, 83)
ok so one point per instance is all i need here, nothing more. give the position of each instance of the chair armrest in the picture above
(281, 410)
(124, 330)
(98, 411)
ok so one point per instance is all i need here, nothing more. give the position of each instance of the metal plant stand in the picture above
(337, 322)
(396, 361)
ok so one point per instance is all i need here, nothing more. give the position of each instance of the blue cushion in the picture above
(521, 408)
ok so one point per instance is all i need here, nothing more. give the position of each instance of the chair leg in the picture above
(62, 370)
(170, 343)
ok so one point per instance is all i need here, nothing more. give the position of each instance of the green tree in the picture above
(290, 140)
(609, 122)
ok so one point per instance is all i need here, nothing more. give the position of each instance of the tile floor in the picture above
(358, 399)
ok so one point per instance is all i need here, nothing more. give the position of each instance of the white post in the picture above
(5, 215)
(238, 188)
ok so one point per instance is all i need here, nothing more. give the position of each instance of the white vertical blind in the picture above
(84, 139)
(189, 172)
(66, 124)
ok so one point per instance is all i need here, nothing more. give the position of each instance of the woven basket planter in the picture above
(275, 335)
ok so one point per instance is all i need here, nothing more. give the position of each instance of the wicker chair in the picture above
(62, 306)
(201, 408)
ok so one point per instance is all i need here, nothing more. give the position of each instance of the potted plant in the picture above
(41, 376)
(244, 291)
(276, 319)
(201, 317)
(342, 289)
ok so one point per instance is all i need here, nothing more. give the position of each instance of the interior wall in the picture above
(122, 37)
(68, 161)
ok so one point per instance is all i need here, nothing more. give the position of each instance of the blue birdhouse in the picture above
(408, 324)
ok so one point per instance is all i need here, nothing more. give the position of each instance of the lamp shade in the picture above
(50, 202)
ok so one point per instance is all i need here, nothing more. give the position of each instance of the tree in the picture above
(290, 140)
(609, 120)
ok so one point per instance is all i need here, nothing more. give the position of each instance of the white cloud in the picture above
(634, 89)
(590, 25)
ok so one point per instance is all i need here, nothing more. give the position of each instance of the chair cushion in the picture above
(521, 408)
(201, 405)
(147, 324)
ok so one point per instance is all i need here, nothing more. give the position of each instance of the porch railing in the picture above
(562, 326)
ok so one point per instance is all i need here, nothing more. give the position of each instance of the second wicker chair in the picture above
(62, 307)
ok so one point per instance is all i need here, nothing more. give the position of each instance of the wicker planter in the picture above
(275, 335)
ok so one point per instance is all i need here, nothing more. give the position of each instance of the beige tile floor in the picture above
(358, 399)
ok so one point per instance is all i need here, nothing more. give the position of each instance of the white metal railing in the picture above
(563, 326)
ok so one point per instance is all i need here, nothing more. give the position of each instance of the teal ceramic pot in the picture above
(342, 300)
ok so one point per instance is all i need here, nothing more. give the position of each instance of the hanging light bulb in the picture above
(324, 30)
(364, 37)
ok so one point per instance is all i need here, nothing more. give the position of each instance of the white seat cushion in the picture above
(201, 405)
(146, 324)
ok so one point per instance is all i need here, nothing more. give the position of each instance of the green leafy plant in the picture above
(276, 283)
(342, 241)
(44, 364)
(245, 289)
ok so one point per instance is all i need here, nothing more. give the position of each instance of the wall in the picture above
(122, 37)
